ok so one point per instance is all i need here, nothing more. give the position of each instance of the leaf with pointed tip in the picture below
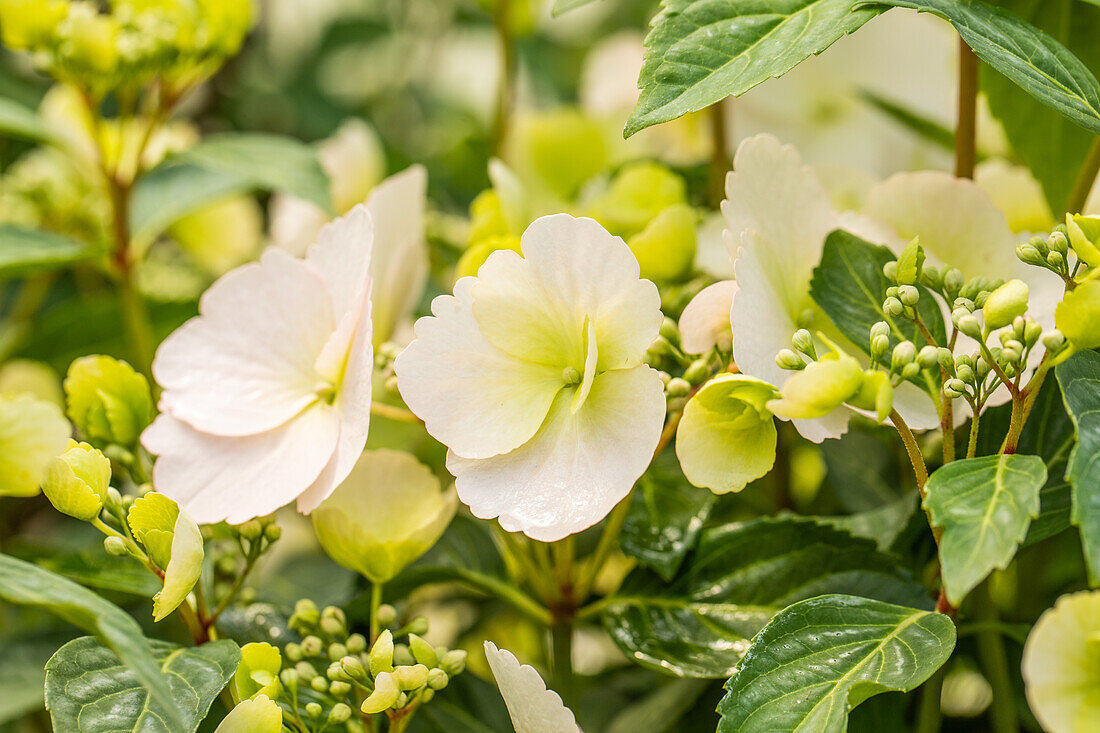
(820, 658)
(737, 578)
(702, 51)
(1079, 377)
(89, 690)
(1040, 65)
(27, 251)
(984, 507)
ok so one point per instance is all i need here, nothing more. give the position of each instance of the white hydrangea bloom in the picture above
(532, 707)
(532, 375)
(1061, 665)
(267, 392)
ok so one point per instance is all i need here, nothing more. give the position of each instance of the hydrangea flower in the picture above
(267, 391)
(532, 375)
(532, 707)
(1061, 665)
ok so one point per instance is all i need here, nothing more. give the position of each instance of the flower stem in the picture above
(561, 659)
(994, 661)
(393, 412)
(375, 603)
(1085, 179)
(966, 127)
(506, 86)
(719, 153)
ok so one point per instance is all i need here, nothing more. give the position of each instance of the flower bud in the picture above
(305, 670)
(353, 667)
(804, 342)
(453, 662)
(77, 481)
(381, 654)
(115, 546)
(289, 678)
(273, 532)
(1032, 333)
(337, 651)
(910, 370)
(437, 679)
(881, 328)
(1005, 303)
(314, 710)
(250, 530)
(108, 401)
(928, 357)
(981, 367)
(402, 656)
(932, 277)
(787, 359)
(339, 688)
(1058, 242)
(904, 353)
(1027, 254)
(387, 615)
(319, 684)
(356, 644)
(909, 295)
(953, 282)
(946, 360)
(386, 692)
(879, 346)
(411, 677)
(970, 326)
(965, 372)
(422, 651)
(697, 372)
(893, 307)
(678, 387)
(340, 713)
(954, 388)
(1053, 341)
(890, 270)
(312, 646)
(1056, 261)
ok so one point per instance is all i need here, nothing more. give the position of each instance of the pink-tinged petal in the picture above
(245, 364)
(577, 467)
(399, 264)
(215, 478)
(353, 403)
(532, 707)
(705, 322)
(472, 397)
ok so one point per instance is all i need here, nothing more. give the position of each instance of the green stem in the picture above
(994, 661)
(561, 660)
(250, 563)
(966, 127)
(610, 537)
(1085, 179)
(972, 443)
(375, 603)
(929, 715)
(506, 86)
(719, 153)
(393, 412)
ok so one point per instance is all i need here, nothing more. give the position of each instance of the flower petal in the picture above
(474, 398)
(532, 707)
(1059, 664)
(577, 467)
(399, 264)
(245, 364)
(216, 478)
(705, 322)
(342, 257)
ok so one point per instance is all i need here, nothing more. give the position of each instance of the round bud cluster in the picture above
(1050, 253)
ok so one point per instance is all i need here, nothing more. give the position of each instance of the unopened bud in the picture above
(422, 651)
(250, 530)
(453, 662)
(337, 651)
(1005, 303)
(339, 688)
(1056, 261)
(904, 353)
(697, 372)
(890, 270)
(804, 342)
(787, 359)
(1027, 254)
(678, 387)
(879, 346)
(965, 372)
(357, 643)
(1032, 333)
(1053, 341)
(319, 684)
(402, 656)
(970, 326)
(77, 481)
(909, 295)
(881, 328)
(1058, 242)
(115, 546)
(910, 370)
(289, 678)
(340, 713)
(387, 614)
(437, 679)
(928, 357)
(273, 532)
(314, 710)
(312, 646)
(893, 307)
(954, 388)
(953, 281)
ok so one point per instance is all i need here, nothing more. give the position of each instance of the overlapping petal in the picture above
(532, 707)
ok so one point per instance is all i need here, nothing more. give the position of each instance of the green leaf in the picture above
(666, 515)
(925, 127)
(820, 658)
(702, 51)
(737, 578)
(1079, 377)
(1040, 65)
(850, 287)
(89, 690)
(884, 524)
(1045, 141)
(564, 6)
(661, 710)
(30, 585)
(94, 569)
(984, 506)
(27, 251)
(173, 190)
(269, 162)
(860, 471)
(24, 122)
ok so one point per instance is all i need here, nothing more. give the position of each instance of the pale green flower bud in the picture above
(1056, 261)
(893, 307)
(353, 667)
(387, 615)
(678, 387)
(953, 281)
(879, 346)
(314, 710)
(787, 359)
(1032, 333)
(306, 616)
(418, 625)
(332, 627)
(1015, 345)
(251, 530)
(337, 651)
(437, 679)
(1027, 254)
(946, 360)
(1058, 242)
(115, 546)
(341, 713)
(928, 357)
(1078, 315)
(272, 532)
(305, 670)
(357, 643)
(411, 677)
(881, 328)
(1010, 356)
(954, 388)
(970, 326)
(697, 372)
(1053, 341)
(108, 401)
(1005, 303)
(312, 646)
(402, 656)
(890, 270)
(909, 295)
(981, 367)
(386, 692)
(423, 652)
(804, 342)
(904, 353)
(77, 481)
(381, 654)
(965, 372)
(910, 370)
(289, 678)
(932, 277)
(453, 662)
(339, 688)
(319, 684)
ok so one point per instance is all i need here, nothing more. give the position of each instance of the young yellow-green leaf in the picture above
(152, 519)
(1079, 377)
(89, 690)
(984, 506)
(27, 251)
(702, 51)
(29, 585)
(32, 433)
(1040, 65)
(737, 578)
(108, 401)
(820, 658)
(727, 436)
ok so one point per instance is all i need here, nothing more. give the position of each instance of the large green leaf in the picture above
(29, 585)
(666, 515)
(702, 51)
(89, 690)
(269, 162)
(1048, 143)
(1040, 65)
(1079, 377)
(27, 251)
(563, 6)
(737, 578)
(850, 287)
(820, 658)
(19, 121)
(884, 524)
(171, 191)
(984, 506)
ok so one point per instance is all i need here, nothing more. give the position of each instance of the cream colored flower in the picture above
(532, 707)
(1061, 665)
(267, 391)
(532, 375)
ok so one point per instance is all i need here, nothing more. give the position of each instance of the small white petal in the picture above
(577, 467)
(532, 707)
(473, 397)
(245, 364)
(762, 326)
(705, 322)
(342, 258)
(711, 255)
(216, 478)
